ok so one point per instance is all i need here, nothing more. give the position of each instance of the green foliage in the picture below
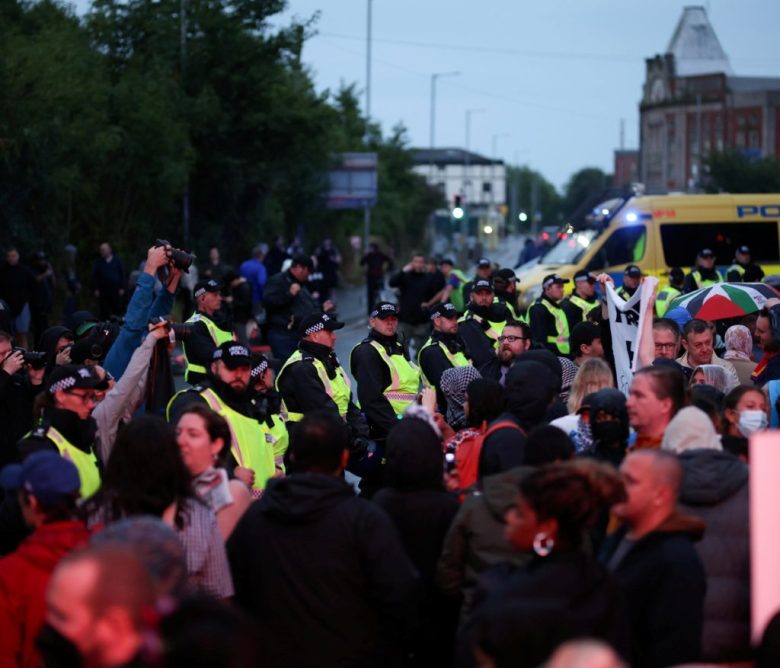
(582, 185)
(734, 172)
(532, 188)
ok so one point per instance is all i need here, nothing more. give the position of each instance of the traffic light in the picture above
(457, 207)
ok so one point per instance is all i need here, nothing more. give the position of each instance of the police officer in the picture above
(670, 292)
(582, 300)
(313, 379)
(632, 277)
(549, 326)
(443, 350)
(483, 272)
(267, 406)
(505, 287)
(743, 270)
(66, 425)
(209, 329)
(387, 382)
(483, 323)
(226, 391)
(703, 273)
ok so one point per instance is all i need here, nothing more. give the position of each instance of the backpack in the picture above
(462, 453)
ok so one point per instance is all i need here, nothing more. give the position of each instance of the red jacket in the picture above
(24, 576)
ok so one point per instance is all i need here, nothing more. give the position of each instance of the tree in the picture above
(734, 172)
(531, 188)
(584, 185)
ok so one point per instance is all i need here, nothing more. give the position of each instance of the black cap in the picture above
(444, 311)
(484, 263)
(73, 377)
(202, 287)
(384, 310)
(553, 278)
(745, 250)
(233, 354)
(584, 275)
(482, 284)
(676, 274)
(706, 252)
(448, 261)
(633, 271)
(505, 274)
(302, 260)
(316, 322)
(261, 363)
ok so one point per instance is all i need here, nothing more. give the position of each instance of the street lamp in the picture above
(434, 77)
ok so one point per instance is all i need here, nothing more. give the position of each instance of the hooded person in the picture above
(715, 488)
(609, 425)
(453, 384)
(422, 511)
(54, 341)
(552, 362)
(530, 388)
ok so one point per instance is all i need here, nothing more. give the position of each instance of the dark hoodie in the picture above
(664, 582)
(324, 574)
(530, 388)
(715, 488)
(48, 344)
(422, 511)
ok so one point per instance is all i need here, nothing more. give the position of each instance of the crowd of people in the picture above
(471, 489)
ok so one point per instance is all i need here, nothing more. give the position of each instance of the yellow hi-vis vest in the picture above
(494, 328)
(739, 269)
(85, 462)
(339, 389)
(218, 336)
(251, 446)
(561, 337)
(281, 439)
(583, 304)
(705, 282)
(664, 299)
(456, 360)
(404, 380)
(509, 305)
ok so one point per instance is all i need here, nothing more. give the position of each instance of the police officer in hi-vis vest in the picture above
(673, 290)
(66, 425)
(582, 300)
(387, 382)
(208, 330)
(743, 270)
(549, 326)
(253, 448)
(483, 323)
(313, 379)
(268, 405)
(443, 350)
(703, 273)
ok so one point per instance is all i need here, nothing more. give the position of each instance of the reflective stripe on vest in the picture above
(404, 380)
(339, 389)
(738, 268)
(511, 308)
(705, 282)
(561, 338)
(494, 328)
(665, 298)
(583, 304)
(85, 462)
(457, 360)
(252, 447)
(218, 336)
(278, 430)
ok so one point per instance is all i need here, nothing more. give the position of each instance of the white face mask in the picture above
(751, 421)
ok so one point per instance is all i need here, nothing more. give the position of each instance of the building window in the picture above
(487, 187)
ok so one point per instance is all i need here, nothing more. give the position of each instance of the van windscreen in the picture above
(570, 247)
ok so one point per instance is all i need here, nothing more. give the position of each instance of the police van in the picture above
(658, 232)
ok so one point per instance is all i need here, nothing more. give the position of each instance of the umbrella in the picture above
(725, 300)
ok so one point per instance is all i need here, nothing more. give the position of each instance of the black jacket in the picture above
(664, 582)
(283, 310)
(414, 288)
(323, 573)
(373, 376)
(542, 324)
(199, 346)
(433, 361)
(715, 488)
(302, 390)
(574, 313)
(524, 613)
(17, 396)
(495, 369)
(690, 284)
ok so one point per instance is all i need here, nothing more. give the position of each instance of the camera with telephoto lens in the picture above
(180, 259)
(36, 359)
(180, 330)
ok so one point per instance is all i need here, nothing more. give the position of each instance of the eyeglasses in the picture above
(511, 339)
(86, 398)
(665, 346)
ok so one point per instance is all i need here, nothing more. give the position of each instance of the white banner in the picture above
(625, 323)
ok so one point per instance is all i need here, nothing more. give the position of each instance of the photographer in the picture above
(19, 385)
(143, 306)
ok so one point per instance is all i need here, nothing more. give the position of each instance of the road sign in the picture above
(353, 181)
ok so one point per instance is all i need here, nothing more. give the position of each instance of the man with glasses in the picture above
(66, 425)
(513, 342)
(697, 340)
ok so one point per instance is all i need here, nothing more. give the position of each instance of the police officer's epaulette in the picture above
(194, 318)
(368, 339)
(198, 387)
(41, 429)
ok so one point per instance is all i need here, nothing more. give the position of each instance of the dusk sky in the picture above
(554, 78)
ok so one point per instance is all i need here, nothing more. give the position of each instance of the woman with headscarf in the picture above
(453, 384)
(739, 351)
(715, 488)
(713, 375)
